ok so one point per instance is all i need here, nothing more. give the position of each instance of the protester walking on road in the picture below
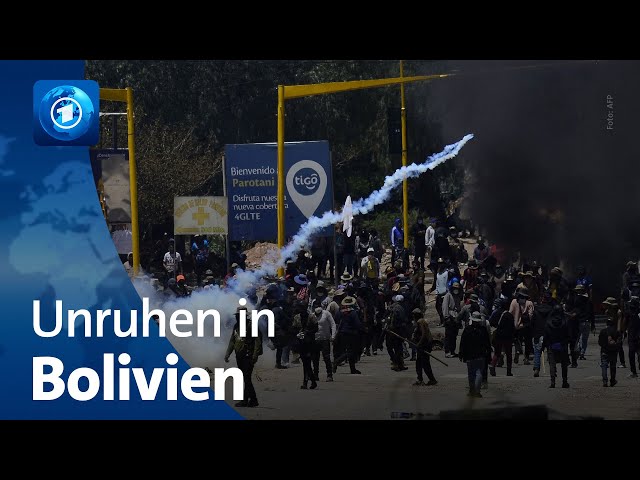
(475, 350)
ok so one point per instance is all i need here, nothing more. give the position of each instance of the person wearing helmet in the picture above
(247, 349)
(450, 309)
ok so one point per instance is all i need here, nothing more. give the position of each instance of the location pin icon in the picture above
(306, 184)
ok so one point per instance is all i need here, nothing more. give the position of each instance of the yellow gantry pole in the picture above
(133, 184)
(286, 92)
(125, 95)
(280, 202)
(405, 195)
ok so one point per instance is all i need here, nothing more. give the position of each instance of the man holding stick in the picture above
(423, 343)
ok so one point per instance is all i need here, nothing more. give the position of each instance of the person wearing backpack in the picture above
(247, 349)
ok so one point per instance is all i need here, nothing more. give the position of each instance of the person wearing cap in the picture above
(370, 268)
(397, 323)
(481, 252)
(247, 349)
(181, 286)
(172, 261)
(610, 341)
(418, 235)
(450, 307)
(440, 287)
(556, 341)
(325, 335)
(522, 310)
(502, 320)
(633, 331)
(348, 333)
(475, 351)
(581, 323)
(423, 341)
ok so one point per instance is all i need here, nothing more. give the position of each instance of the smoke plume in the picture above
(555, 169)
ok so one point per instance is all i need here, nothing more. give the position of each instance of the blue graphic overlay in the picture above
(57, 247)
(66, 112)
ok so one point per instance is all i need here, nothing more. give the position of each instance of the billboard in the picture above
(200, 215)
(252, 185)
(111, 175)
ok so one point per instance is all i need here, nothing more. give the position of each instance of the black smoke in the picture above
(555, 163)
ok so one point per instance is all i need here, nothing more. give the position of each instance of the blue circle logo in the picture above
(66, 113)
(306, 181)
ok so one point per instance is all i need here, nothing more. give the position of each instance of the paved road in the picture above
(379, 390)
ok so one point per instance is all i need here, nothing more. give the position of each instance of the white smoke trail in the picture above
(209, 351)
(365, 205)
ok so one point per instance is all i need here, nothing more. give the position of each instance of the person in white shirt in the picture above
(429, 239)
(172, 260)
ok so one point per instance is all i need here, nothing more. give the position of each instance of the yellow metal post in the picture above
(133, 184)
(280, 203)
(405, 195)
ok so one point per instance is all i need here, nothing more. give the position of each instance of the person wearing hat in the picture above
(556, 341)
(473, 305)
(475, 351)
(345, 278)
(522, 310)
(423, 343)
(440, 287)
(318, 296)
(349, 330)
(323, 338)
(247, 349)
(399, 324)
(172, 261)
(418, 235)
(610, 341)
(370, 268)
(528, 282)
(633, 331)
(336, 301)
(451, 305)
(301, 287)
(558, 285)
(581, 321)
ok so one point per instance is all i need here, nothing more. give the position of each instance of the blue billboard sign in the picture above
(252, 186)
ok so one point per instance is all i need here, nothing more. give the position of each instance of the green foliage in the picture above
(187, 111)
